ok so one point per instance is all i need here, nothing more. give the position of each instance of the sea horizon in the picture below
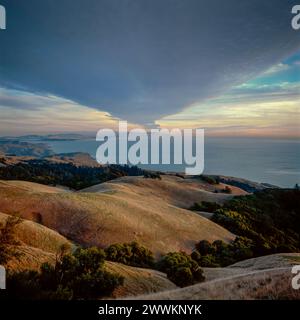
(264, 160)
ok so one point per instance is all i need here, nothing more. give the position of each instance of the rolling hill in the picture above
(267, 277)
(38, 244)
(150, 211)
(153, 212)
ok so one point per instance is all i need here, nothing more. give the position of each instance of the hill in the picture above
(37, 244)
(138, 280)
(266, 277)
(32, 234)
(21, 148)
(30, 187)
(121, 210)
(154, 212)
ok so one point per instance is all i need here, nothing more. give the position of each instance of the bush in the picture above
(181, 269)
(207, 261)
(74, 276)
(206, 206)
(204, 247)
(8, 241)
(131, 254)
(242, 248)
(227, 190)
(152, 175)
(210, 179)
(220, 254)
(270, 218)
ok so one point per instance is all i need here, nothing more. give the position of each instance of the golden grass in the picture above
(38, 236)
(138, 281)
(269, 284)
(30, 259)
(267, 277)
(30, 186)
(130, 208)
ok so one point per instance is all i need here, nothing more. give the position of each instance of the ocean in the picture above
(274, 161)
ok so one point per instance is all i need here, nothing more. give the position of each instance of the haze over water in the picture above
(274, 161)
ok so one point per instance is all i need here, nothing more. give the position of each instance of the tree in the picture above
(8, 240)
(80, 275)
(132, 254)
(204, 247)
(181, 269)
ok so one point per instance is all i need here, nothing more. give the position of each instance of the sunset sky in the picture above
(231, 68)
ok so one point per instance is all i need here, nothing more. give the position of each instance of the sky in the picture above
(231, 67)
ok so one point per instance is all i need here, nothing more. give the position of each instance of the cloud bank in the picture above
(141, 60)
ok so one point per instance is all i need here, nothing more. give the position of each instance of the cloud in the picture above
(22, 100)
(262, 92)
(280, 67)
(141, 60)
(258, 107)
(23, 112)
(252, 118)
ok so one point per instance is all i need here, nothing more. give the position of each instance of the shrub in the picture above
(181, 269)
(208, 261)
(206, 206)
(23, 284)
(8, 241)
(270, 218)
(152, 175)
(220, 254)
(204, 247)
(210, 179)
(242, 248)
(131, 254)
(227, 190)
(74, 276)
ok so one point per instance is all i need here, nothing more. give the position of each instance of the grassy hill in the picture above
(35, 235)
(138, 280)
(154, 210)
(150, 211)
(36, 244)
(267, 277)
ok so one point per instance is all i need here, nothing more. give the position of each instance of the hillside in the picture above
(32, 234)
(171, 189)
(121, 211)
(155, 211)
(30, 187)
(35, 245)
(79, 159)
(138, 280)
(38, 244)
(266, 277)
(21, 148)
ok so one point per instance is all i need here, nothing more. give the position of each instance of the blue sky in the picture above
(231, 67)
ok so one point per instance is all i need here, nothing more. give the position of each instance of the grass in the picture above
(259, 285)
(138, 281)
(293, 259)
(122, 213)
